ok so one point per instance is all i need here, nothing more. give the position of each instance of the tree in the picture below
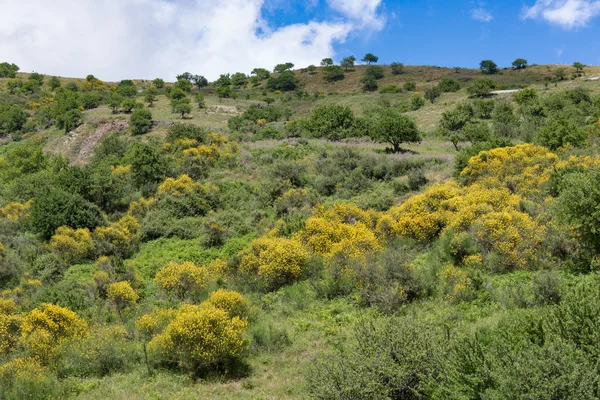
(261, 74)
(140, 121)
(348, 63)
(128, 105)
(200, 81)
(286, 81)
(370, 58)
(185, 76)
(410, 86)
(148, 165)
(578, 67)
(150, 96)
(326, 62)
(127, 88)
(54, 83)
(158, 83)
(184, 85)
(279, 68)
(183, 106)
(481, 87)
(488, 67)
(8, 70)
(114, 101)
(332, 73)
(433, 93)
(239, 80)
(200, 101)
(397, 68)
(36, 79)
(519, 63)
(391, 126)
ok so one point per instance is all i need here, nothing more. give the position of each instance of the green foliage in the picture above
(140, 121)
(519, 63)
(53, 207)
(333, 122)
(397, 68)
(90, 100)
(447, 85)
(128, 104)
(578, 66)
(390, 89)
(488, 67)
(332, 73)
(150, 96)
(239, 80)
(12, 119)
(391, 126)
(326, 62)
(182, 107)
(187, 131)
(432, 94)
(127, 88)
(374, 71)
(285, 82)
(280, 68)
(559, 132)
(348, 63)
(370, 58)
(158, 83)
(148, 165)
(481, 87)
(526, 96)
(410, 86)
(184, 85)
(369, 83)
(8, 70)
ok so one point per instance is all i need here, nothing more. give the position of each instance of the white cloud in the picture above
(481, 14)
(568, 14)
(364, 11)
(117, 39)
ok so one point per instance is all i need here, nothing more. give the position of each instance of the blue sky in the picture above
(119, 39)
(462, 33)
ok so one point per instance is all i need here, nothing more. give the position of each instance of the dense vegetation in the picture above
(251, 238)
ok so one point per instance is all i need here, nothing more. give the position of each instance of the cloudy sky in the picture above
(117, 39)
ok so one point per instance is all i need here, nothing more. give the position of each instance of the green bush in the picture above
(333, 122)
(332, 73)
(140, 121)
(559, 132)
(481, 87)
(447, 85)
(187, 131)
(390, 89)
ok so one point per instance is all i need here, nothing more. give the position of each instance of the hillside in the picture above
(240, 241)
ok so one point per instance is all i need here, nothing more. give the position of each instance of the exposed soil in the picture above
(89, 143)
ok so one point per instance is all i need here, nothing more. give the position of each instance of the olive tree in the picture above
(391, 126)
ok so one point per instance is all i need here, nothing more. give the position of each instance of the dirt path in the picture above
(88, 144)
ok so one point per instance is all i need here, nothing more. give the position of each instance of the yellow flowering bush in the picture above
(232, 302)
(155, 322)
(122, 294)
(274, 261)
(183, 280)
(511, 235)
(7, 306)
(185, 197)
(523, 168)
(71, 244)
(47, 326)
(120, 238)
(340, 230)
(140, 207)
(200, 337)
(10, 331)
(421, 217)
(121, 170)
(16, 211)
(26, 378)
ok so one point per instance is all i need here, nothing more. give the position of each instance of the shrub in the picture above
(374, 71)
(122, 295)
(107, 350)
(416, 101)
(201, 338)
(332, 73)
(369, 83)
(274, 261)
(140, 121)
(72, 245)
(10, 327)
(118, 239)
(447, 85)
(333, 122)
(559, 132)
(183, 280)
(397, 68)
(391, 126)
(481, 87)
(410, 86)
(26, 378)
(184, 197)
(232, 302)
(526, 96)
(432, 94)
(390, 89)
